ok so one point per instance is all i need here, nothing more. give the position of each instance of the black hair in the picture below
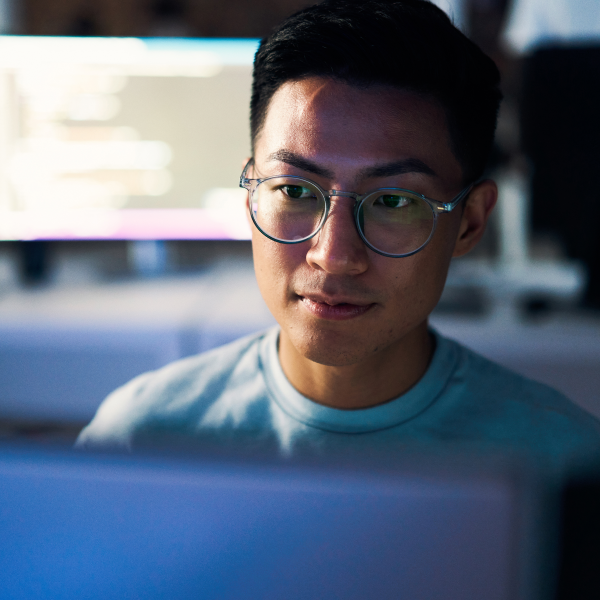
(408, 44)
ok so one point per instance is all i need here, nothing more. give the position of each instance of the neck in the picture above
(379, 378)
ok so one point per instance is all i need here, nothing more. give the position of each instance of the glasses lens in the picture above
(396, 222)
(288, 208)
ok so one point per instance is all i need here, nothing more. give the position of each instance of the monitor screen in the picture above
(97, 527)
(123, 138)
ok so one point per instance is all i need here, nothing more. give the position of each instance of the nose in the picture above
(337, 248)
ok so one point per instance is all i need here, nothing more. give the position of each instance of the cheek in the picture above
(416, 282)
(275, 265)
(432, 263)
(413, 284)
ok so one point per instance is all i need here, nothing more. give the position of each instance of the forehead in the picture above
(344, 125)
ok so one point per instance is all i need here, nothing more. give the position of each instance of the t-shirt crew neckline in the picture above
(392, 413)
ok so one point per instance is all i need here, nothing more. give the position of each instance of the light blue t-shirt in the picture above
(239, 393)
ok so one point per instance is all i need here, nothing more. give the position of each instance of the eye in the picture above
(297, 191)
(393, 200)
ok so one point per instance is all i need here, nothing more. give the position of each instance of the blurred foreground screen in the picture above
(123, 138)
(110, 527)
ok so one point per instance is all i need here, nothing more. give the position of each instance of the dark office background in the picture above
(198, 18)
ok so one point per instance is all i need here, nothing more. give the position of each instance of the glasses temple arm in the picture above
(244, 181)
(448, 206)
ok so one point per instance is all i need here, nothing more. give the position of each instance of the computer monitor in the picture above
(102, 527)
(123, 138)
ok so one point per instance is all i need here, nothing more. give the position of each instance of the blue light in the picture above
(229, 51)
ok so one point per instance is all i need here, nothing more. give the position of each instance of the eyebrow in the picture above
(295, 160)
(398, 167)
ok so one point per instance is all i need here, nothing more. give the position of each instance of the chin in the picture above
(324, 356)
(333, 349)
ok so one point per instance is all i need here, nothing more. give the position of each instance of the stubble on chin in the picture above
(338, 344)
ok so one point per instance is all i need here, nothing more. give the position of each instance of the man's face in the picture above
(338, 302)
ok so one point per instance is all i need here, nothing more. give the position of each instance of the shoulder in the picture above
(177, 394)
(521, 408)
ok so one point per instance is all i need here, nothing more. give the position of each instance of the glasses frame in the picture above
(435, 205)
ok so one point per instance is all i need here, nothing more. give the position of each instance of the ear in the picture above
(476, 212)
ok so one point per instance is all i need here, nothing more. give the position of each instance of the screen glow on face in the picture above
(345, 131)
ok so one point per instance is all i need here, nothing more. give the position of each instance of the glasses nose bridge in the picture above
(333, 193)
(340, 194)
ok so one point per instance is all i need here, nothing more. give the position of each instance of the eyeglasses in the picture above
(393, 222)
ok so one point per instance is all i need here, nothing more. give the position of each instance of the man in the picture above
(371, 124)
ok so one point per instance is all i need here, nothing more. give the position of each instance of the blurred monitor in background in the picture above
(123, 138)
(560, 122)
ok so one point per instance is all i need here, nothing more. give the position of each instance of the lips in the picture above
(333, 308)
